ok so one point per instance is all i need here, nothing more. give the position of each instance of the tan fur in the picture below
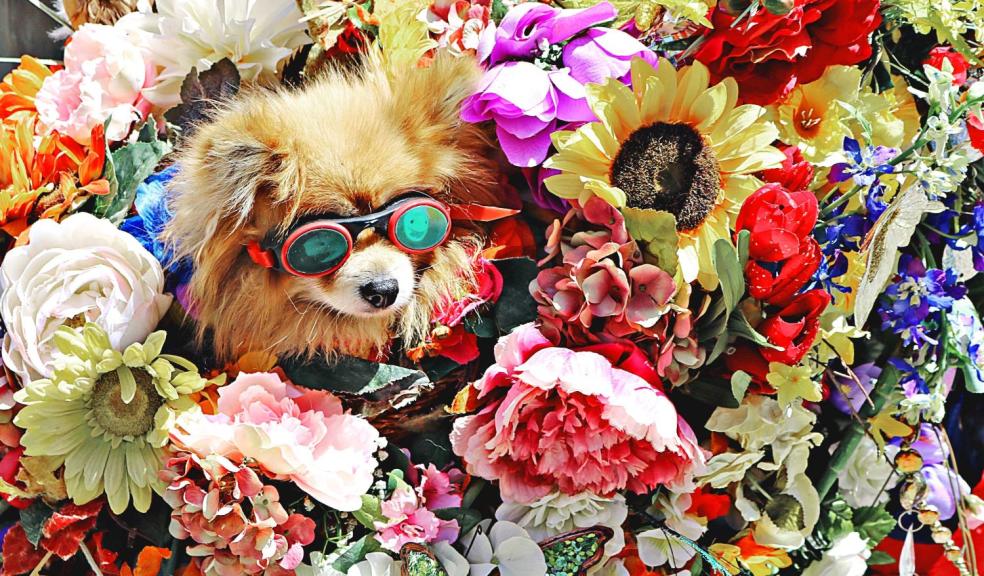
(347, 144)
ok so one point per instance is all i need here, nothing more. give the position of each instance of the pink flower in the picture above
(461, 26)
(440, 489)
(293, 433)
(559, 418)
(407, 520)
(104, 77)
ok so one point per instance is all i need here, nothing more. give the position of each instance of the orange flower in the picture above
(19, 87)
(148, 562)
(761, 560)
(510, 238)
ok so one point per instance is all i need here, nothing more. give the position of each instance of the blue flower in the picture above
(977, 225)
(148, 225)
(912, 305)
(864, 165)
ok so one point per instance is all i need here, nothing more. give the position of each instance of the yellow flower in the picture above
(793, 383)
(812, 116)
(672, 143)
(105, 415)
(760, 560)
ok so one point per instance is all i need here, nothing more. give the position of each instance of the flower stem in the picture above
(887, 382)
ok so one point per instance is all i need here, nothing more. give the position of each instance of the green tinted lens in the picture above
(421, 227)
(316, 251)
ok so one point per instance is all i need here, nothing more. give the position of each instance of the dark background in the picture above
(24, 30)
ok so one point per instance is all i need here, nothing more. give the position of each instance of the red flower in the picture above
(779, 220)
(960, 65)
(769, 54)
(778, 284)
(975, 129)
(709, 505)
(794, 327)
(794, 174)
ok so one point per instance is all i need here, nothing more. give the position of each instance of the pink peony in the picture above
(104, 77)
(293, 433)
(559, 418)
(409, 521)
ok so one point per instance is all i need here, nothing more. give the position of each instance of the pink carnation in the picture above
(559, 418)
(104, 77)
(293, 433)
(409, 521)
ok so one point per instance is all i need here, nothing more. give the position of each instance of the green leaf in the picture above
(370, 512)
(697, 569)
(873, 523)
(738, 326)
(33, 519)
(350, 374)
(879, 557)
(200, 92)
(481, 326)
(432, 448)
(739, 384)
(725, 260)
(356, 553)
(656, 233)
(516, 305)
(743, 239)
(131, 165)
(498, 12)
(475, 487)
(466, 517)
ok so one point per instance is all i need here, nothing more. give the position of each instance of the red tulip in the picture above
(794, 327)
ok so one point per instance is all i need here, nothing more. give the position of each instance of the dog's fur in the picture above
(346, 145)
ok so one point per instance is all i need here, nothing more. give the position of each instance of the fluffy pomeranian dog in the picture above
(348, 144)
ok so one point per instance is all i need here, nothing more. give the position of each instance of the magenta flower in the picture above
(542, 58)
(409, 521)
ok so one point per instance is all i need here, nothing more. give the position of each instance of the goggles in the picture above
(319, 246)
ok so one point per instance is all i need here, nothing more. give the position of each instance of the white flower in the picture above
(255, 34)
(558, 513)
(864, 477)
(658, 547)
(847, 557)
(506, 547)
(82, 269)
(375, 564)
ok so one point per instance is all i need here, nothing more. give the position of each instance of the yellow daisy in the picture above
(105, 415)
(671, 143)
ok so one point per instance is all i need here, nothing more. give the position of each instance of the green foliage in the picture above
(129, 166)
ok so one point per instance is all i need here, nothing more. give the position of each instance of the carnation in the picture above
(559, 418)
(104, 78)
(292, 433)
(80, 270)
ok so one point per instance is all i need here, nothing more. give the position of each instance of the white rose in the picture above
(867, 477)
(82, 269)
(847, 557)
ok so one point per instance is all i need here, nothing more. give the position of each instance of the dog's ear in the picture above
(436, 92)
(224, 171)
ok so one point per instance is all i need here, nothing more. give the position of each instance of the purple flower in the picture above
(864, 165)
(542, 58)
(914, 302)
(978, 226)
(857, 394)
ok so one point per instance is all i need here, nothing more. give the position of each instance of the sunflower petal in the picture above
(128, 384)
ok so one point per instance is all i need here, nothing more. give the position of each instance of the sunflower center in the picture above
(669, 167)
(117, 417)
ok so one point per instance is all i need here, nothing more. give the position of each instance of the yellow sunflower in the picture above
(671, 143)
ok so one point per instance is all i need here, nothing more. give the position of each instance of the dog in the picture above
(348, 144)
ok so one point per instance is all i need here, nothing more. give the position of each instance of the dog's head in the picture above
(350, 144)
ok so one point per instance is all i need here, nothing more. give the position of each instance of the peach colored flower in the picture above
(293, 433)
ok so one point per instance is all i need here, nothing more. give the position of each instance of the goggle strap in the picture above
(480, 213)
(259, 255)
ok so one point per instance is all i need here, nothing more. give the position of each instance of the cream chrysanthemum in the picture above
(106, 414)
(671, 143)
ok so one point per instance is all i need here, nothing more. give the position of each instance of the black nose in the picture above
(381, 292)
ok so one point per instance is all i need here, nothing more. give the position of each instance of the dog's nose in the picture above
(381, 292)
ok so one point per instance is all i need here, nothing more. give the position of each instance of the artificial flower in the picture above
(106, 414)
(868, 476)
(541, 61)
(292, 433)
(256, 35)
(102, 82)
(760, 560)
(672, 143)
(558, 513)
(847, 556)
(236, 523)
(80, 270)
(794, 327)
(461, 26)
(769, 54)
(957, 62)
(794, 174)
(529, 432)
(375, 564)
(505, 548)
(407, 520)
(19, 90)
(657, 547)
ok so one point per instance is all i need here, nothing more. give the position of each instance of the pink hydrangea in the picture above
(292, 433)
(570, 420)
(104, 78)
(237, 524)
